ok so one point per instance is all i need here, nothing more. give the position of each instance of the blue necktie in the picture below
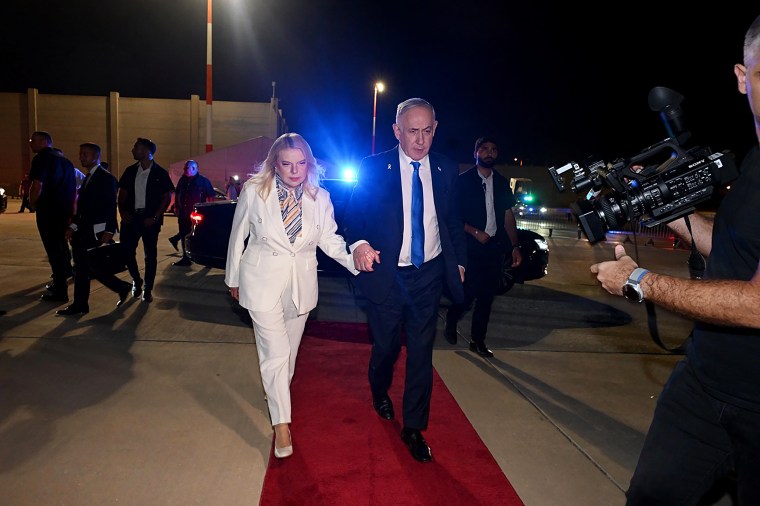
(418, 225)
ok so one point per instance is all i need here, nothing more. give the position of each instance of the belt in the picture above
(413, 267)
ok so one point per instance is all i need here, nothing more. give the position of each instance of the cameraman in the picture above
(707, 420)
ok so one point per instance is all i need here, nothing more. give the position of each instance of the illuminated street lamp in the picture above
(378, 87)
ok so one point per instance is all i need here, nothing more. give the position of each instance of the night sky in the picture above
(551, 83)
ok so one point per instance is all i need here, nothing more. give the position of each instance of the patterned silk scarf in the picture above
(290, 206)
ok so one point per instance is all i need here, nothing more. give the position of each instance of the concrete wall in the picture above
(178, 127)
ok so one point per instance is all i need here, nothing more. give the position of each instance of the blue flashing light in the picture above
(349, 174)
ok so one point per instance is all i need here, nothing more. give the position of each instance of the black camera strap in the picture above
(652, 322)
(697, 267)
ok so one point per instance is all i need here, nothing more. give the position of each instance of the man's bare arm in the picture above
(701, 228)
(34, 192)
(721, 302)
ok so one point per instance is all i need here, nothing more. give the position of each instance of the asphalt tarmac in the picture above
(157, 404)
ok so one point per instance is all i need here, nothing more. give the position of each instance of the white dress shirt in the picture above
(432, 236)
(490, 211)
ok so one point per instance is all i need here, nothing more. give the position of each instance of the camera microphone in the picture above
(667, 103)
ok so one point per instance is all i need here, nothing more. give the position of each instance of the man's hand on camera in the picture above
(614, 273)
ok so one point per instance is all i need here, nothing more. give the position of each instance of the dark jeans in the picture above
(52, 227)
(481, 280)
(412, 302)
(185, 226)
(131, 233)
(25, 205)
(695, 440)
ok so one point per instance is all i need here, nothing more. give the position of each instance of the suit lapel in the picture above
(393, 171)
(436, 175)
(275, 213)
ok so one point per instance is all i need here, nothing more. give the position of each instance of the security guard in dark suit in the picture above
(485, 201)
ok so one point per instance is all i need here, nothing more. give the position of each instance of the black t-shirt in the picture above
(59, 186)
(726, 359)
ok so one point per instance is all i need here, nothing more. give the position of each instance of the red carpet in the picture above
(344, 454)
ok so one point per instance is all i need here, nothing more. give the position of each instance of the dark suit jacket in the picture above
(96, 205)
(473, 205)
(375, 213)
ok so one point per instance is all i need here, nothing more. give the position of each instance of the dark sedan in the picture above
(212, 223)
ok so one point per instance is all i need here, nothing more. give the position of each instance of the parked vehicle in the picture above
(212, 224)
(218, 195)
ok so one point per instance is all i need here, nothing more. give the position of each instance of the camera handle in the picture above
(648, 155)
(696, 271)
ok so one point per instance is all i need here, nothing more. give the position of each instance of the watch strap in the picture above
(637, 274)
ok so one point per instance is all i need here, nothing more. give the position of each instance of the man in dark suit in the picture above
(486, 203)
(93, 225)
(145, 191)
(419, 233)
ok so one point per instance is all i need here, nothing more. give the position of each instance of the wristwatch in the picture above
(632, 289)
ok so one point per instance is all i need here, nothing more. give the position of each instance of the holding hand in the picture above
(614, 273)
(364, 257)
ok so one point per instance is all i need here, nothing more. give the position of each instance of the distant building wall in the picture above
(178, 127)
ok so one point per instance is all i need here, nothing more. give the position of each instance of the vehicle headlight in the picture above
(2, 192)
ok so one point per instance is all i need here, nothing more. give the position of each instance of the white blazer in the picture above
(262, 269)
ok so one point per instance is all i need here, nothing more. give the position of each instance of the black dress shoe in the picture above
(417, 445)
(174, 241)
(137, 289)
(383, 406)
(73, 310)
(450, 335)
(481, 349)
(54, 297)
(184, 262)
(123, 294)
(147, 297)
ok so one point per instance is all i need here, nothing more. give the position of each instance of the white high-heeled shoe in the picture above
(285, 451)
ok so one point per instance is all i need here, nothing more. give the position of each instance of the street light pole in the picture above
(378, 87)
(209, 144)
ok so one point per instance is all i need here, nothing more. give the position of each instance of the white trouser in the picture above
(278, 335)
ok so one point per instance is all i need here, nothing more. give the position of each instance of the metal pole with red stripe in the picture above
(209, 144)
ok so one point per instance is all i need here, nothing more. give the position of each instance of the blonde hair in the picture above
(266, 170)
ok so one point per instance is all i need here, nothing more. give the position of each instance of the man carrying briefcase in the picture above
(93, 226)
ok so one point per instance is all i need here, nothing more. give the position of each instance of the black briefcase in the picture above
(107, 259)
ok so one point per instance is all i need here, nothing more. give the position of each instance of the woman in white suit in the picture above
(285, 215)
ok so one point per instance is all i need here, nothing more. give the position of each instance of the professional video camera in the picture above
(662, 183)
